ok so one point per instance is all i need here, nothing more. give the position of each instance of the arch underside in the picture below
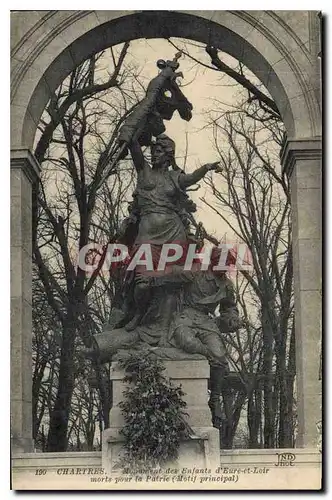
(296, 104)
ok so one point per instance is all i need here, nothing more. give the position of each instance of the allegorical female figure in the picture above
(161, 193)
(160, 201)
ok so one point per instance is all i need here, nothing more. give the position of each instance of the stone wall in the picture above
(240, 469)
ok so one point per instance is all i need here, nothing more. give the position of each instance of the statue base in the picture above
(201, 450)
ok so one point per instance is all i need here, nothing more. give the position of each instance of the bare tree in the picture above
(254, 89)
(72, 210)
(252, 197)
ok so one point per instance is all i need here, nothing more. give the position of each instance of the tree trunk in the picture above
(268, 382)
(253, 418)
(233, 406)
(36, 385)
(283, 400)
(57, 434)
(288, 427)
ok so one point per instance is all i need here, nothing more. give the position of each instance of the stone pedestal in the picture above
(200, 451)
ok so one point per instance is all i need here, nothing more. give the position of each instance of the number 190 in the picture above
(40, 472)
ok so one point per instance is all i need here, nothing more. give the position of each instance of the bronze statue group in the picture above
(170, 314)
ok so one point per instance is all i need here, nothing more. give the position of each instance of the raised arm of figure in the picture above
(137, 156)
(186, 180)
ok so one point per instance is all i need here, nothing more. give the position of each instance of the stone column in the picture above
(24, 171)
(302, 163)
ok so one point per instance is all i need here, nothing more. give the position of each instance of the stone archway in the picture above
(279, 47)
